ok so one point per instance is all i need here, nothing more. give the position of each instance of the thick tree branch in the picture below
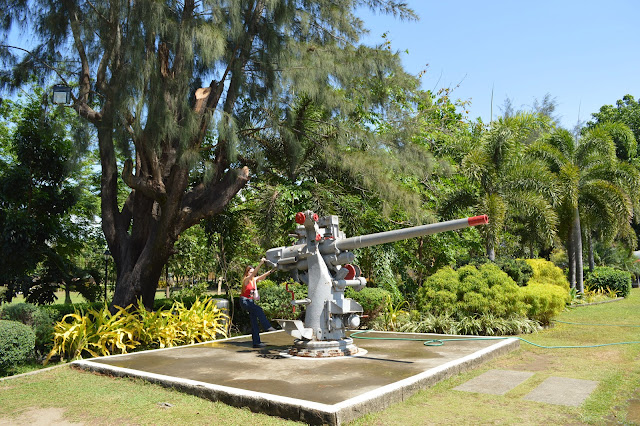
(206, 200)
(152, 188)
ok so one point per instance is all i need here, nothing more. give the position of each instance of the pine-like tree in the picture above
(137, 69)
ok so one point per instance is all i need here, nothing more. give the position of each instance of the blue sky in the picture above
(583, 53)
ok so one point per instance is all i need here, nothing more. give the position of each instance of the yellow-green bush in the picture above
(99, 333)
(488, 291)
(471, 291)
(545, 301)
(545, 272)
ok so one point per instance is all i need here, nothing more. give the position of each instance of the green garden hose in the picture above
(440, 342)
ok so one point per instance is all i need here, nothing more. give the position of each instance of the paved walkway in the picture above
(554, 390)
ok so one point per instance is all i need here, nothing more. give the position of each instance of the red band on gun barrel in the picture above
(478, 220)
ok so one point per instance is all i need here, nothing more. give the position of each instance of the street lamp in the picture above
(107, 254)
(61, 94)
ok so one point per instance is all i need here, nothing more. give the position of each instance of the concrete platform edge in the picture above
(288, 408)
(381, 398)
(308, 411)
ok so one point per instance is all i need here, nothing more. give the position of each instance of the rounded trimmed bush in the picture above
(546, 272)
(545, 301)
(604, 277)
(17, 342)
(37, 317)
(471, 291)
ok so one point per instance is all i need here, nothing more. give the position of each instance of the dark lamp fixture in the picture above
(61, 94)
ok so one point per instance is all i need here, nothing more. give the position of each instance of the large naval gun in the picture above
(322, 259)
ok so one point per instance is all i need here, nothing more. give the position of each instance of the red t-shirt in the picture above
(248, 289)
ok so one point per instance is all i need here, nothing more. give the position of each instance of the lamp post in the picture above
(107, 254)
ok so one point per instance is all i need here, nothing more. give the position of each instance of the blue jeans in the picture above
(255, 313)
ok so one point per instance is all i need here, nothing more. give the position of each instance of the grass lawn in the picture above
(77, 297)
(83, 397)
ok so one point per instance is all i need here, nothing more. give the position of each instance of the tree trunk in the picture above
(67, 294)
(577, 244)
(420, 277)
(491, 252)
(592, 263)
(571, 257)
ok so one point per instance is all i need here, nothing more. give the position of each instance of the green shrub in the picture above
(43, 328)
(21, 312)
(545, 301)
(98, 332)
(372, 299)
(471, 291)
(37, 317)
(17, 341)
(275, 300)
(519, 270)
(604, 277)
(546, 272)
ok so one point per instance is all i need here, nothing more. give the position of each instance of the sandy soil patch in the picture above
(39, 417)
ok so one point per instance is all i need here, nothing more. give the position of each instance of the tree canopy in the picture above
(138, 71)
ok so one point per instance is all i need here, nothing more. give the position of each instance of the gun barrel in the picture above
(407, 233)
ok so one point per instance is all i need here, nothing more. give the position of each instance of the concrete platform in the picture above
(315, 391)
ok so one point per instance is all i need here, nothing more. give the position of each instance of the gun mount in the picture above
(321, 259)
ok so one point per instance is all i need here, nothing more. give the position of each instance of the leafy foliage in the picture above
(275, 300)
(17, 341)
(373, 300)
(544, 301)
(519, 270)
(626, 111)
(484, 325)
(34, 220)
(510, 187)
(607, 278)
(99, 333)
(38, 318)
(471, 291)
(596, 190)
(546, 273)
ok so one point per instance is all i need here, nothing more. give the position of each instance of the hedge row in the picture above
(605, 278)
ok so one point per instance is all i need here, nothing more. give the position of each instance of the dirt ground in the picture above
(39, 417)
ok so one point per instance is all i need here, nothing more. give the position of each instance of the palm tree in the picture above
(596, 189)
(511, 187)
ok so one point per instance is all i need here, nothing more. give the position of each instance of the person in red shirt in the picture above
(248, 296)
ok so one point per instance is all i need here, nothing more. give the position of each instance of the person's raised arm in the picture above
(265, 275)
(253, 273)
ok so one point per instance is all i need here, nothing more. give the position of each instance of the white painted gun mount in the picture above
(321, 259)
